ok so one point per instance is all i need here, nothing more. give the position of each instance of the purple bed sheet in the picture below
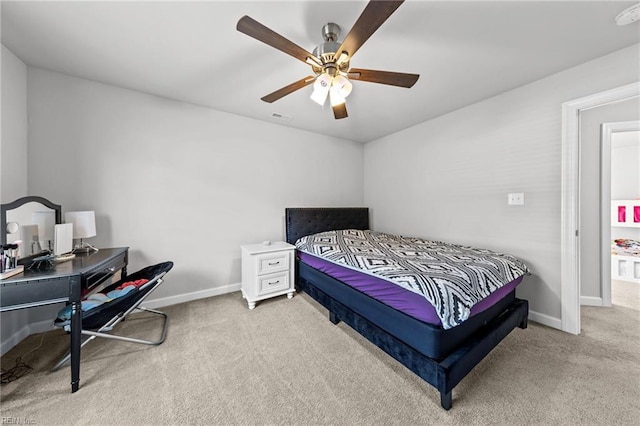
(408, 302)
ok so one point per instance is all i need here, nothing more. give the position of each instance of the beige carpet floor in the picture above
(285, 363)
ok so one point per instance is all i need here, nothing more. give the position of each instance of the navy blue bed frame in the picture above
(351, 306)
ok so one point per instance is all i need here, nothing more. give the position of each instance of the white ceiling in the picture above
(190, 51)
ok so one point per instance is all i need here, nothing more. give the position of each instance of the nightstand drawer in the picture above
(274, 282)
(273, 263)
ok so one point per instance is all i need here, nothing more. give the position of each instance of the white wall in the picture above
(175, 181)
(13, 167)
(590, 197)
(625, 165)
(13, 148)
(170, 180)
(448, 178)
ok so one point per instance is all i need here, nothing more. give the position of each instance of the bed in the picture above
(440, 356)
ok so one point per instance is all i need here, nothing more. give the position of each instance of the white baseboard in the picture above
(590, 301)
(14, 339)
(42, 326)
(38, 327)
(189, 297)
(547, 320)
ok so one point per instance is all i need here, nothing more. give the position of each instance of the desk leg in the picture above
(76, 337)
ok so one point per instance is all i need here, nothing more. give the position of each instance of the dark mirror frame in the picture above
(21, 201)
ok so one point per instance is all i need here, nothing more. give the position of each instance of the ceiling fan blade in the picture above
(383, 77)
(255, 29)
(271, 97)
(373, 15)
(340, 111)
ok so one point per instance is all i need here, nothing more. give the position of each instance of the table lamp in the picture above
(84, 226)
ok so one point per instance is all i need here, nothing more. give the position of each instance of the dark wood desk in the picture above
(68, 282)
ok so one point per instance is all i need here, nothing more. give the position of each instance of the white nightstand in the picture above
(267, 271)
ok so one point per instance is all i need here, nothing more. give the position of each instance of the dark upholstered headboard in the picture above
(311, 220)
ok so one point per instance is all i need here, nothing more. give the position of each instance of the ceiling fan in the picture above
(330, 60)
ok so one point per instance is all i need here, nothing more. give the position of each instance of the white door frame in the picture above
(605, 202)
(570, 205)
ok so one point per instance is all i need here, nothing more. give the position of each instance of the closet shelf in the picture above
(625, 213)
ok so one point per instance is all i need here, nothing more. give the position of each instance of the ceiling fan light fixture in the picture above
(321, 89)
(342, 85)
(335, 97)
(343, 58)
(319, 96)
(629, 15)
(313, 61)
(330, 61)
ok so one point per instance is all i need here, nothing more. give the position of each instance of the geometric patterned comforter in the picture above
(451, 277)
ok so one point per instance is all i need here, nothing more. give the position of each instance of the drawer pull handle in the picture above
(274, 263)
(274, 282)
(111, 269)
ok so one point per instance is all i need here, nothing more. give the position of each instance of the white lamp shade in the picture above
(321, 89)
(84, 223)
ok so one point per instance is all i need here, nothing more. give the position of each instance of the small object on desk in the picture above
(13, 227)
(64, 257)
(63, 239)
(11, 272)
(9, 256)
(42, 263)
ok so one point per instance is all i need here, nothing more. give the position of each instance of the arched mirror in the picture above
(31, 220)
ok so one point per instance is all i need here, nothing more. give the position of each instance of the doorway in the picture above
(620, 182)
(570, 201)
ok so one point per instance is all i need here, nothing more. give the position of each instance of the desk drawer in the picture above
(104, 272)
(35, 293)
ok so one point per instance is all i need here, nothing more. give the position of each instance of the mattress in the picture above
(451, 277)
(394, 296)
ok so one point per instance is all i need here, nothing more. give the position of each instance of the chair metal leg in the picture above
(109, 326)
(165, 321)
(67, 356)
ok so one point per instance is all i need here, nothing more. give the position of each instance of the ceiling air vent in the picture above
(279, 116)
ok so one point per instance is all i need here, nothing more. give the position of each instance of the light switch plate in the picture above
(516, 199)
